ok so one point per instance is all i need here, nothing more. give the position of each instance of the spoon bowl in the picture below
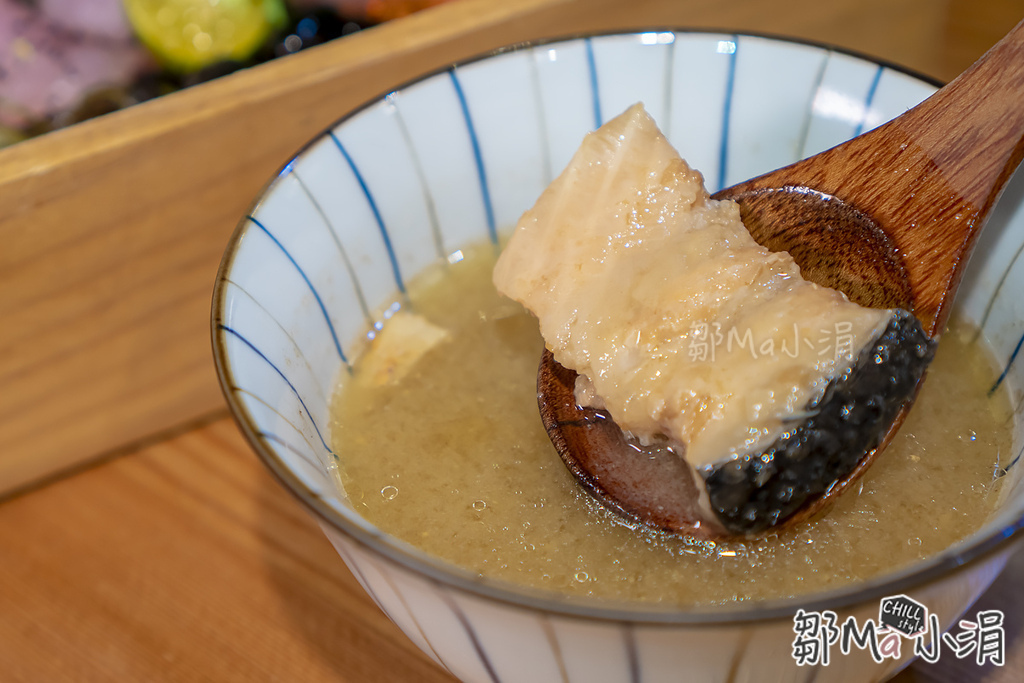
(889, 218)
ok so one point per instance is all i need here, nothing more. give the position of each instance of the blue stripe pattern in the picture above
(595, 92)
(286, 333)
(288, 168)
(1014, 461)
(417, 167)
(730, 82)
(632, 656)
(396, 271)
(354, 567)
(670, 58)
(470, 631)
(356, 285)
(281, 442)
(869, 100)
(231, 331)
(556, 650)
(999, 286)
(412, 615)
(542, 126)
(316, 295)
(805, 130)
(240, 390)
(492, 229)
(1009, 364)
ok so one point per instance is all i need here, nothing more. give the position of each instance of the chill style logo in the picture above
(902, 623)
(904, 615)
(707, 339)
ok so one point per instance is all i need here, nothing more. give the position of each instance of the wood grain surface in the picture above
(184, 562)
(111, 230)
(187, 562)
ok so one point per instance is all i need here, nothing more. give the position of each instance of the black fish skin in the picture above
(757, 491)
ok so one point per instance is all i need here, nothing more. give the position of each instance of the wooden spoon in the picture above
(889, 218)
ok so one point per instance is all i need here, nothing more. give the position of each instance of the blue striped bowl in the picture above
(450, 160)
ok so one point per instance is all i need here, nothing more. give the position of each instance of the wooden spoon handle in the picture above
(927, 179)
(972, 130)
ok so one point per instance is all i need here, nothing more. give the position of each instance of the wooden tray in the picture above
(111, 230)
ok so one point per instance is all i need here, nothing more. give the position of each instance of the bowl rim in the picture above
(940, 566)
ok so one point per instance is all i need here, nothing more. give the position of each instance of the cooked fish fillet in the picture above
(677, 321)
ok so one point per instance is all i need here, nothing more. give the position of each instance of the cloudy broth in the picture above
(454, 460)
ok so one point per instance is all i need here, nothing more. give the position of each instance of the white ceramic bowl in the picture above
(450, 159)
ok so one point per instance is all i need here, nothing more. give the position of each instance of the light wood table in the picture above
(166, 552)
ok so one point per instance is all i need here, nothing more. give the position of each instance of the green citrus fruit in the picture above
(187, 35)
